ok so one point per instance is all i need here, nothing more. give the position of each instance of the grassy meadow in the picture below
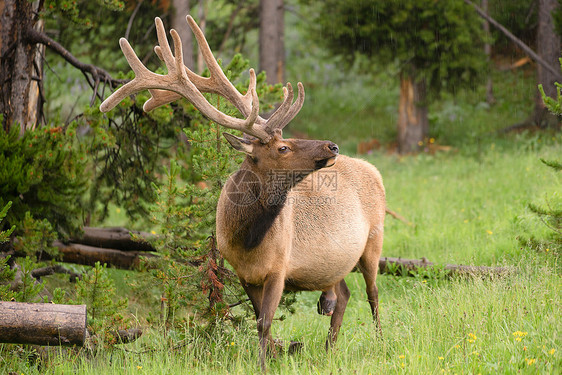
(466, 205)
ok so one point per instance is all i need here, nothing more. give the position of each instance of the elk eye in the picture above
(283, 149)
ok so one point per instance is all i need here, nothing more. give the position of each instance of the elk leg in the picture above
(271, 292)
(255, 293)
(369, 266)
(343, 294)
(327, 302)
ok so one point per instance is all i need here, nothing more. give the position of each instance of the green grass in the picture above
(468, 205)
(464, 209)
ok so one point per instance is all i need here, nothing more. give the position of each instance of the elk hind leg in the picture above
(369, 266)
(327, 302)
(342, 293)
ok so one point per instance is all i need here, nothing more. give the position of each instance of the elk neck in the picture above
(257, 197)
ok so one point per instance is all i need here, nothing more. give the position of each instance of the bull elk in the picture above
(296, 215)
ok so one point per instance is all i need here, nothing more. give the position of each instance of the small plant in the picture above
(105, 311)
(5, 235)
(36, 238)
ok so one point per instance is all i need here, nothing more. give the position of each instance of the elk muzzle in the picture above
(332, 151)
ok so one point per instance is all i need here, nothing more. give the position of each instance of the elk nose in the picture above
(333, 147)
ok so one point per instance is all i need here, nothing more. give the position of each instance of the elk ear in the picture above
(239, 144)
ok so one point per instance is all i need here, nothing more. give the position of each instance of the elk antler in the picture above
(181, 81)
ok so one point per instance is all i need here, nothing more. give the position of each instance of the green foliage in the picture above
(5, 235)
(557, 166)
(439, 41)
(126, 148)
(97, 291)
(519, 17)
(43, 172)
(7, 275)
(554, 105)
(73, 11)
(25, 286)
(35, 239)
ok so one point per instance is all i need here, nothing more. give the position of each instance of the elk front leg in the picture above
(342, 294)
(271, 296)
(255, 293)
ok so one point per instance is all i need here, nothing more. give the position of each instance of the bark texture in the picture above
(413, 123)
(271, 40)
(18, 93)
(548, 47)
(181, 9)
(89, 255)
(42, 323)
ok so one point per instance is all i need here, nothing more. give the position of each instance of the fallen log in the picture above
(89, 255)
(42, 323)
(409, 267)
(117, 238)
(38, 273)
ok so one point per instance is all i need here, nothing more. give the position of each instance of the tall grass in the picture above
(467, 206)
(463, 209)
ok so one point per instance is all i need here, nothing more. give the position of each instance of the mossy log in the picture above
(42, 324)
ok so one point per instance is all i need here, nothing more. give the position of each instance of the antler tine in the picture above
(279, 114)
(222, 85)
(178, 80)
(294, 110)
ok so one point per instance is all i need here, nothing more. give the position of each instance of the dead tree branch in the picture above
(94, 74)
(516, 40)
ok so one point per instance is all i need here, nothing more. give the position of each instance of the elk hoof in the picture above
(327, 303)
(292, 348)
(295, 347)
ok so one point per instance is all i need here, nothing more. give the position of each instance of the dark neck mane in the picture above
(259, 203)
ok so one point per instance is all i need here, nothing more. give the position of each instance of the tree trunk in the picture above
(413, 123)
(42, 323)
(19, 93)
(488, 51)
(548, 47)
(271, 40)
(180, 10)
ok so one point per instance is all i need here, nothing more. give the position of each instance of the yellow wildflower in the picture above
(530, 361)
(519, 334)
(551, 351)
(489, 232)
(441, 358)
(401, 356)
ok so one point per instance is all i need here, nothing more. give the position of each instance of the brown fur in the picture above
(314, 232)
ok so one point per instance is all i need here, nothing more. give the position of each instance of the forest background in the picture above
(465, 172)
